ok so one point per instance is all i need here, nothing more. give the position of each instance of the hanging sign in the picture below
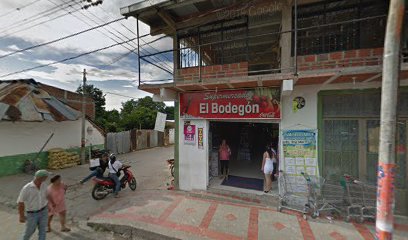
(259, 103)
(160, 122)
(200, 138)
(299, 156)
(189, 134)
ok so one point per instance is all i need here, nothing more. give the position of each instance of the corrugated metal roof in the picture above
(23, 100)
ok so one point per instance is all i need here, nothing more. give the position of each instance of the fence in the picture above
(129, 141)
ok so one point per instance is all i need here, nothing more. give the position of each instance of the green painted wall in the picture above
(10, 165)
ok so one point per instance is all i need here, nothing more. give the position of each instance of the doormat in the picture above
(243, 182)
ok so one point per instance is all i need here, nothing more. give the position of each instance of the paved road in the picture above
(149, 166)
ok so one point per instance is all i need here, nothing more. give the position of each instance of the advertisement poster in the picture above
(200, 138)
(258, 103)
(160, 122)
(299, 156)
(189, 134)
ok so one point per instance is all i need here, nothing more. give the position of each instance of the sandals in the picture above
(65, 230)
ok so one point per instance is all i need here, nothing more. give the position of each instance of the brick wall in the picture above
(72, 99)
(213, 72)
(352, 58)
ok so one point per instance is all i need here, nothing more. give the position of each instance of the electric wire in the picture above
(39, 23)
(35, 17)
(20, 8)
(121, 39)
(60, 39)
(169, 67)
(72, 58)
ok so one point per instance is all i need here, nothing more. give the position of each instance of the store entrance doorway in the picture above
(247, 141)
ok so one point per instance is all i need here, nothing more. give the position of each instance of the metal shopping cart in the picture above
(361, 199)
(289, 196)
(323, 195)
(369, 200)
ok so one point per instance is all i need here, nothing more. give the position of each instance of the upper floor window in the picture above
(340, 25)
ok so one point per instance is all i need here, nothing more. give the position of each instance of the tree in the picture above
(97, 95)
(170, 112)
(140, 113)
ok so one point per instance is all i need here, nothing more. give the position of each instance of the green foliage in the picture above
(135, 113)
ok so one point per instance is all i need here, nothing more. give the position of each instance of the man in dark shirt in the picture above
(99, 170)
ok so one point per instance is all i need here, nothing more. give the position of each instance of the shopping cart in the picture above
(361, 199)
(369, 200)
(289, 197)
(323, 195)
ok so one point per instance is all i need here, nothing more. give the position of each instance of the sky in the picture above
(114, 70)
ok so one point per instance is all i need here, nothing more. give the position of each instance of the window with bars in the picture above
(340, 25)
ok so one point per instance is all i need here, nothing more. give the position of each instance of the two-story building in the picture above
(252, 72)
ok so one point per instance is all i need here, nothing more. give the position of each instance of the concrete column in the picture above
(286, 38)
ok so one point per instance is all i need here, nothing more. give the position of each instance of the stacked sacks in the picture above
(58, 158)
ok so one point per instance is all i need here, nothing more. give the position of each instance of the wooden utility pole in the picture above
(389, 97)
(83, 140)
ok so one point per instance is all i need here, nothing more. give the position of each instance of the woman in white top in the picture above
(267, 168)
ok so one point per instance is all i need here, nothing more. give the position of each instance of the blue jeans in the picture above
(95, 173)
(36, 220)
(115, 178)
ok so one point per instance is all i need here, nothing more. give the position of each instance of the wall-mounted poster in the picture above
(299, 155)
(200, 138)
(189, 134)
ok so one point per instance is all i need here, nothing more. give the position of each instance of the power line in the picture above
(60, 39)
(74, 57)
(40, 23)
(33, 18)
(117, 94)
(20, 8)
(167, 69)
(165, 57)
(66, 59)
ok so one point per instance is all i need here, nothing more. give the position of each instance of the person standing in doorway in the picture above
(267, 168)
(32, 206)
(224, 156)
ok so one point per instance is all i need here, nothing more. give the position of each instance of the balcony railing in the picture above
(244, 57)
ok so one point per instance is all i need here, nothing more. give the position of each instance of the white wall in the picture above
(28, 137)
(193, 162)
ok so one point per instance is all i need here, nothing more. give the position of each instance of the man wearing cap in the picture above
(32, 206)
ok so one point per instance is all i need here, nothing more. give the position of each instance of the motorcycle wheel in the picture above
(172, 170)
(96, 192)
(133, 184)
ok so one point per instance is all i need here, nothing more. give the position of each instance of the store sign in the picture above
(259, 103)
(189, 134)
(299, 156)
(201, 138)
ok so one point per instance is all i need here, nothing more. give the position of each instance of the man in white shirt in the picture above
(32, 206)
(114, 168)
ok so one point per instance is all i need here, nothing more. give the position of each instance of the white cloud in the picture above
(68, 75)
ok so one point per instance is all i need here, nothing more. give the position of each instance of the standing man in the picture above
(32, 206)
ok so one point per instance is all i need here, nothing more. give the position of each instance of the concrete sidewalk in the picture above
(178, 215)
(149, 166)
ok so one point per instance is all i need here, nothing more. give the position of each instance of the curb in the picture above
(129, 231)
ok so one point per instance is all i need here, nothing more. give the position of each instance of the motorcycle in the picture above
(104, 186)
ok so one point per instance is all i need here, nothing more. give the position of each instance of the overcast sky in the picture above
(110, 70)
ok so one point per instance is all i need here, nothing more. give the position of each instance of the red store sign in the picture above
(259, 103)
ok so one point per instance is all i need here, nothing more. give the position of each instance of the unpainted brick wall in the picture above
(212, 72)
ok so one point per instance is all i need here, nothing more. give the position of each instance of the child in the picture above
(56, 202)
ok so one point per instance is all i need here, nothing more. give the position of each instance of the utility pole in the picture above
(389, 97)
(83, 117)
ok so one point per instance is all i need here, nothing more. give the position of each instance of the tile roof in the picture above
(24, 100)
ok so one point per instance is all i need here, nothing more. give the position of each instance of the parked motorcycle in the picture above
(104, 186)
